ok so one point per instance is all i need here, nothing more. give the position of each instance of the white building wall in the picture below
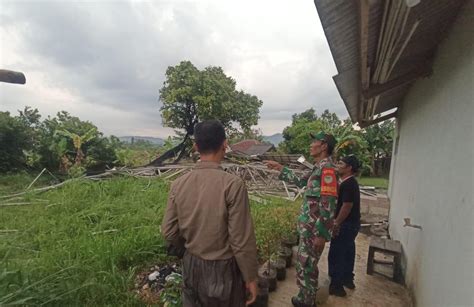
(432, 175)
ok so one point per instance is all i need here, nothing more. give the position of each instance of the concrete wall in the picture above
(432, 175)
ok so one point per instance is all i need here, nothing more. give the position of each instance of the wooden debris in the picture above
(259, 179)
(33, 182)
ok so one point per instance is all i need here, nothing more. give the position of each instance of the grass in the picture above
(378, 182)
(12, 183)
(83, 243)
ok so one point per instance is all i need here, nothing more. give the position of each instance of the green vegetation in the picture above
(56, 143)
(64, 144)
(84, 242)
(80, 243)
(138, 153)
(372, 145)
(190, 95)
(378, 182)
(273, 222)
(13, 183)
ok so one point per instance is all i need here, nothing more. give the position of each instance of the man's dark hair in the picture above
(209, 136)
(353, 162)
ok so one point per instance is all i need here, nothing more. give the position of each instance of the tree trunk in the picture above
(79, 157)
(184, 149)
(180, 148)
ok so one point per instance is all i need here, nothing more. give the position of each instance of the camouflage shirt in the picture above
(320, 196)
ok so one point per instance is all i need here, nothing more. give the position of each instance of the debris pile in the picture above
(150, 283)
(260, 180)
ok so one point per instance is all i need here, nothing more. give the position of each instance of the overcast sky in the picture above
(105, 61)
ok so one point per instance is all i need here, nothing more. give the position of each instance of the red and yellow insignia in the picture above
(328, 182)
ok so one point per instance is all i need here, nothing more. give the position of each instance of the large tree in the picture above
(372, 145)
(190, 95)
(296, 138)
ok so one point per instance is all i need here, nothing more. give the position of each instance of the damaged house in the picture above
(252, 148)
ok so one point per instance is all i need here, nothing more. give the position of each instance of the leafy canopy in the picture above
(190, 95)
(55, 143)
(369, 145)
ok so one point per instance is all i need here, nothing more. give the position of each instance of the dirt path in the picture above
(371, 290)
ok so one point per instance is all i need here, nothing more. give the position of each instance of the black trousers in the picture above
(212, 283)
(342, 254)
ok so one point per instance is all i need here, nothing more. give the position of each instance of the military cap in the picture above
(325, 137)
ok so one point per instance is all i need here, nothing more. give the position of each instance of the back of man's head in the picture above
(209, 136)
(353, 162)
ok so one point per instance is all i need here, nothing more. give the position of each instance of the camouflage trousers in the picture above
(307, 272)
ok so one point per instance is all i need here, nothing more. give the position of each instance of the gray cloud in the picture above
(105, 61)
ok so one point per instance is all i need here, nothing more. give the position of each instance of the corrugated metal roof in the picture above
(259, 149)
(242, 146)
(340, 21)
(339, 16)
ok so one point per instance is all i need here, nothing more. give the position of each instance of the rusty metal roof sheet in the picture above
(259, 149)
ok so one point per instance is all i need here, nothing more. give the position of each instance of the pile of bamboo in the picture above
(259, 179)
(262, 181)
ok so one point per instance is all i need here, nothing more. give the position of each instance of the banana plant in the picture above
(78, 141)
(351, 141)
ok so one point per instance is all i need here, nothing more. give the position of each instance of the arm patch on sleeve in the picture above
(329, 182)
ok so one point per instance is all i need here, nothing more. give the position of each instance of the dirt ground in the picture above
(371, 290)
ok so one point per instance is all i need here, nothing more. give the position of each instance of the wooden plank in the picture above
(176, 173)
(363, 50)
(378, 89)
(370, 260)
(393, 246)
(377, 243)
(386, 245)
(286, 189)
(367, 123)
(364, 40)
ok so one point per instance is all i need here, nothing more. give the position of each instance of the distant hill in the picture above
(128, 139)
(275, 139)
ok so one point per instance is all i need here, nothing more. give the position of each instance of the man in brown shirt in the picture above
(209, 209)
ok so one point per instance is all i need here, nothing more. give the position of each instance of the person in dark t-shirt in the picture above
(346, 226)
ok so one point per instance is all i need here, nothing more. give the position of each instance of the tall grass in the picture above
(83, 243)
(17, 182)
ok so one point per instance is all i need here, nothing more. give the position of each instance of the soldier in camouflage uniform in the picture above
(316, 216)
